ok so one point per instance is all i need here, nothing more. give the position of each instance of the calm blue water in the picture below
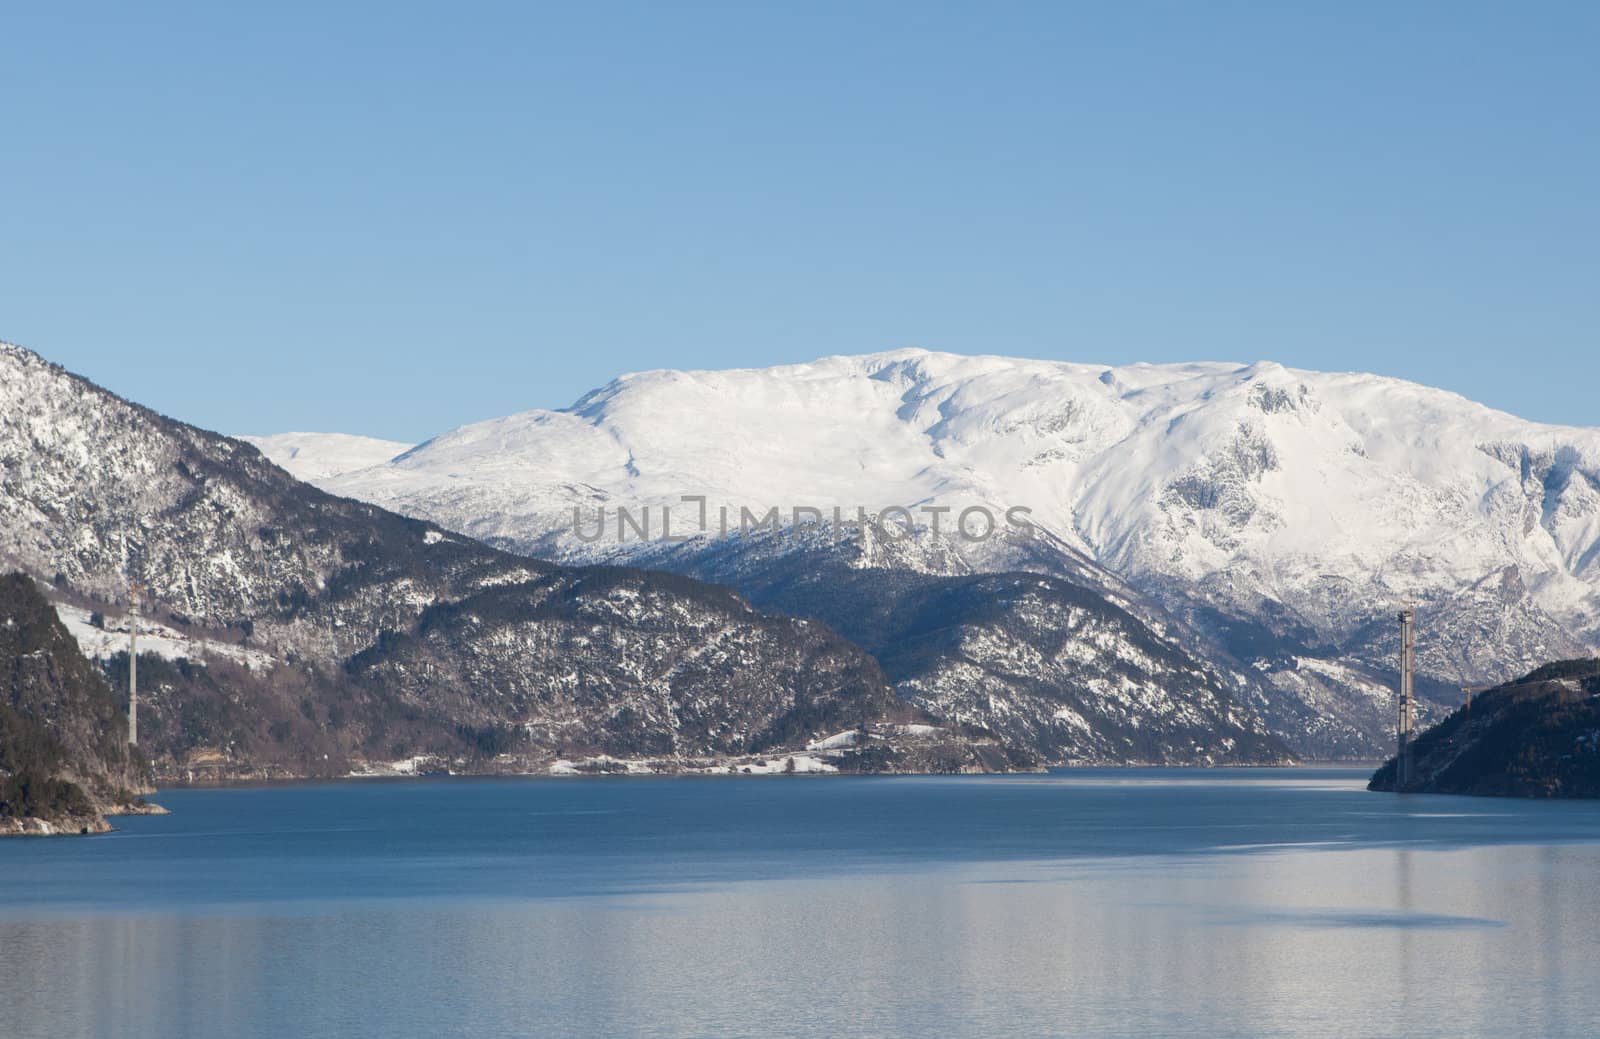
(1086, 903)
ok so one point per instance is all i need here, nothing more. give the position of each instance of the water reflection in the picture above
(1369, 939)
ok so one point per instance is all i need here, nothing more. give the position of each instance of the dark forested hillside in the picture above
(1049, 664)
(1536, 737)
(64, 758)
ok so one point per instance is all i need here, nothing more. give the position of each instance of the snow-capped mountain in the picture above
(1288, 513)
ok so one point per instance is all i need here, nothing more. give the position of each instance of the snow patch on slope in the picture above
(103, 643)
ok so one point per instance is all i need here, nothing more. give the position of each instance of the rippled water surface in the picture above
(1083, 903)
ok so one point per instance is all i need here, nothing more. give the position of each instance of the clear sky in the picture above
(393, 218)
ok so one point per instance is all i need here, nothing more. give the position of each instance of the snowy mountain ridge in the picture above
(318, 456)
(1309, 503)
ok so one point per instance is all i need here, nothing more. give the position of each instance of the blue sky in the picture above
(393, 218)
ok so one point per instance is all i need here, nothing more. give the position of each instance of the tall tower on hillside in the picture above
(1406, 721)
(133, 667)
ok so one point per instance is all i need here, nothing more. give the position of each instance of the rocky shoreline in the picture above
(75, 825)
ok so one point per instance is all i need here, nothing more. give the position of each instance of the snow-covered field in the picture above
(99, 643)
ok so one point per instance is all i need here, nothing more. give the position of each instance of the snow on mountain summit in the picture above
(1335, 495)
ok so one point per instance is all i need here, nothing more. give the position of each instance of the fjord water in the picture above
(1081, 903)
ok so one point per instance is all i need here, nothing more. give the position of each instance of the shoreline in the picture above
(468, 777)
